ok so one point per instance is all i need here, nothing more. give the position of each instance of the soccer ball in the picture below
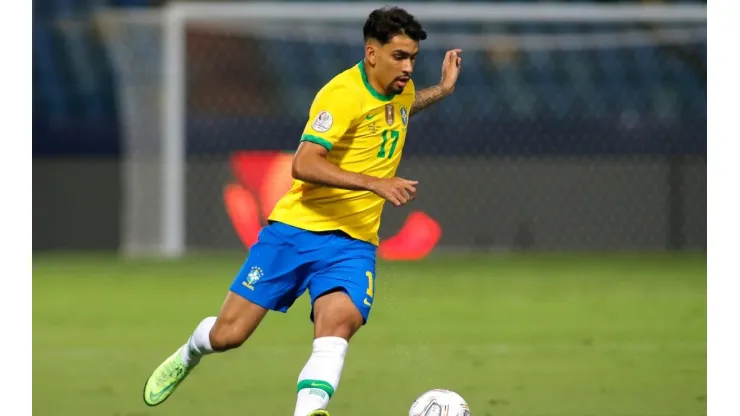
(439, 402)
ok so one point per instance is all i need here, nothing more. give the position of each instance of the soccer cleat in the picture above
(165, 379)
(319, 413)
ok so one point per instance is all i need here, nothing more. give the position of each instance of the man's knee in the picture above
(335, 315)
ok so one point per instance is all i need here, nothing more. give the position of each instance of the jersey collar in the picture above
(369, 87)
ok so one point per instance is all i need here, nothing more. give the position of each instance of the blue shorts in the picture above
(287, 260)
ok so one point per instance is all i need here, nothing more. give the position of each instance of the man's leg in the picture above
(268, 280)
(336, 320)
(343, 291)
(235, 323)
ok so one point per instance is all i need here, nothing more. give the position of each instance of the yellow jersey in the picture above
(364, 132)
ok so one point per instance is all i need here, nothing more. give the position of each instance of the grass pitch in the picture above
(564, 335)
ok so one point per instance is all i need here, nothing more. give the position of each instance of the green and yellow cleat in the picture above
(319, 413)
(165, 379)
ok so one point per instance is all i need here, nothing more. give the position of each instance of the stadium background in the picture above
(587, 167)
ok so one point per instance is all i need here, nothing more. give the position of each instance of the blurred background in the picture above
(563, 186)
(574, 135)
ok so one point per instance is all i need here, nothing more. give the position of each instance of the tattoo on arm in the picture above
(427, 97)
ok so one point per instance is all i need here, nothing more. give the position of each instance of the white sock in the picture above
(199, 343)
(320, 377)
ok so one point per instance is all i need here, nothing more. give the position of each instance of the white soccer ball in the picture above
(440, 402)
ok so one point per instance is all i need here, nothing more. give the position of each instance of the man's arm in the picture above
(450, 71)
(310, 165)
(332, 114)
(427, 97)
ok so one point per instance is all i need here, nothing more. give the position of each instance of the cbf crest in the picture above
(254, 275)
(404, 116)
(389, 115)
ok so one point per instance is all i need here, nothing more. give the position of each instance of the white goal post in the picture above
(175, 16)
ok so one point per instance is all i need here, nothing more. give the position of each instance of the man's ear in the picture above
(371, 55)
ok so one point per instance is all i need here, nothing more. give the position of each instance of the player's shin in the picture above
(320, 377)
(199, 344)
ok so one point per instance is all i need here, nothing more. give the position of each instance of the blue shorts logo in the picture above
(254, 275)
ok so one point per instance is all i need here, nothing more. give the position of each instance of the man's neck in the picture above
(372, 80)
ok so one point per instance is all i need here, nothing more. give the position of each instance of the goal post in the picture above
(155, 217)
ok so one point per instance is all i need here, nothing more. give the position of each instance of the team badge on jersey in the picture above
(323, 121)
(389, 116)
(404, 116)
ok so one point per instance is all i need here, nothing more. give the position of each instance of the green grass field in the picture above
(522, 335)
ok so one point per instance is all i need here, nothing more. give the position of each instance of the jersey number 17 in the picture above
(394, 135)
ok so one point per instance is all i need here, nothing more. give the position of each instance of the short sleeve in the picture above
(333, 112)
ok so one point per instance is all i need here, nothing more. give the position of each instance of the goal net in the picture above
(572, 127)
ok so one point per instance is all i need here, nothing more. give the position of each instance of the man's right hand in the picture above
(397, 191)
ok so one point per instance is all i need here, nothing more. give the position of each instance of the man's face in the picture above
(395, 62)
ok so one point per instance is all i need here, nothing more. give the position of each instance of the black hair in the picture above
(383, 24)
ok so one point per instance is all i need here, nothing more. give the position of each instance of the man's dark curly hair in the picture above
(383, 24)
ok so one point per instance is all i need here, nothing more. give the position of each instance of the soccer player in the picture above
(322, 235)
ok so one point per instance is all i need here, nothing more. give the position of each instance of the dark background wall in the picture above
(76, 203)
(544, 203)
(540, 204)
